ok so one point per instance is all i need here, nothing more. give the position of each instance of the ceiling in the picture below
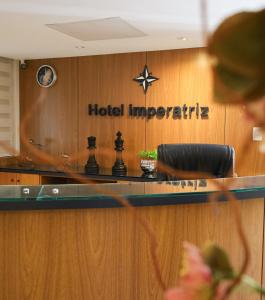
(24, 34)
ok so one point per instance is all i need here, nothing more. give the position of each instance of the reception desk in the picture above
(76, 242)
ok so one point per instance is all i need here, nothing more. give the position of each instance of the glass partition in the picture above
(128, 190)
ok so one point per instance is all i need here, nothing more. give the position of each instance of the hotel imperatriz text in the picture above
(175, 112)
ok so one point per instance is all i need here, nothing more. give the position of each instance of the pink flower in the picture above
(179, 294)
(195, 278)
(195, 272)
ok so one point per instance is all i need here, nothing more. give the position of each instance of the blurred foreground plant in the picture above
(237, 60)
(207, 274)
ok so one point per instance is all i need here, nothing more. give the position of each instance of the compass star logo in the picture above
(145, 79)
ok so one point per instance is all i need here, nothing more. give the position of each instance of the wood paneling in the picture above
(107, 80)
(237, 130)
(67, 255)
(263, 262)
(62, 122)
(28, 179)
(7, 178)
(54, 123)
(20, 179)
(103, 254)
(183, 80)
(198, 223)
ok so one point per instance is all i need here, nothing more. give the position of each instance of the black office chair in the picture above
(217, 160)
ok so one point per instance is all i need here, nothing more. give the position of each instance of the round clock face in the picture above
(46, 76)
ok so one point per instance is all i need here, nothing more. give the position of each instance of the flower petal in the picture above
(179, 294)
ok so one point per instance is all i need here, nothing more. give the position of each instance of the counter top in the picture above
(104, 174)
(138, 194)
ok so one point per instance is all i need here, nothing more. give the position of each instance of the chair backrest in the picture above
(218, 160)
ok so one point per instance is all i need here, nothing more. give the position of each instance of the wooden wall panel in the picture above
(183, 80)
(107, 80)
(237, 130)
(103, 254)
(62, 123)
(54, 124)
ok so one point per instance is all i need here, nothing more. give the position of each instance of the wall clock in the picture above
(46, 76)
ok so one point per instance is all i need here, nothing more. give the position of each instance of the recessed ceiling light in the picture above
(182, 38)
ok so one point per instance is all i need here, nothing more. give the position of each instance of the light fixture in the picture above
(80, 47)
(181, 38)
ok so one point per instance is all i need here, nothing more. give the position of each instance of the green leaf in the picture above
(217, 259)
(253, 284)
(239, 43)
(231, 87)
(237, 48)
(205, 293)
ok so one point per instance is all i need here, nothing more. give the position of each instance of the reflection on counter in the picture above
(138, 193)
(180, 186)
(189, 183)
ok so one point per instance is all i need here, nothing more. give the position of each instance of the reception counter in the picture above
(75, 242)
(138, 194)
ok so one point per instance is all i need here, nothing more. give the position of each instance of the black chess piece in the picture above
(119, 168)
(91, 166)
